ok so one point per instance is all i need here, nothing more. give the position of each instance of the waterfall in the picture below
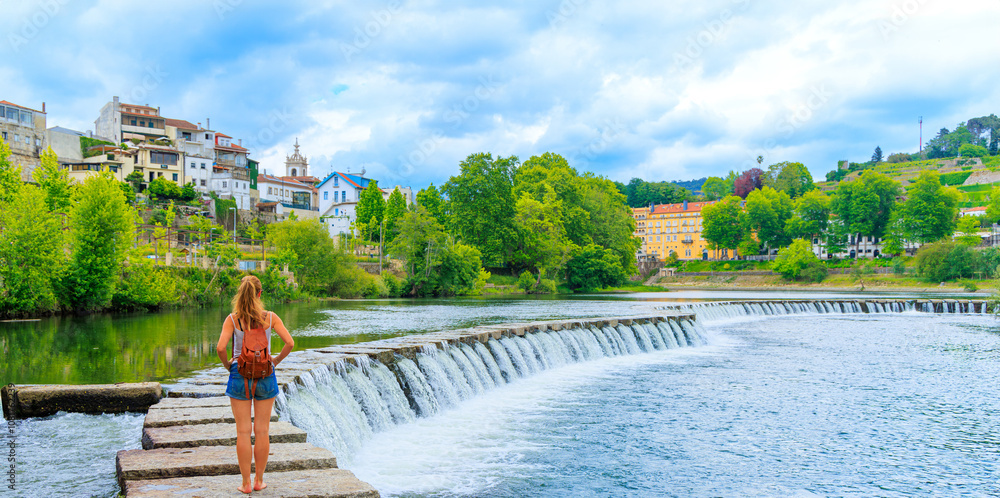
(343, 406)
(722, 310)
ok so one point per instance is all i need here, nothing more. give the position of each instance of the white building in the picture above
(290, 193)
(338, 197)
(406, 191)
(119, 122)
(197, 146)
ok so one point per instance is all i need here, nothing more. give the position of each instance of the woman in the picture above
(248, 313)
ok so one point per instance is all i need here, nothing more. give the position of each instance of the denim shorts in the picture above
(266, 388)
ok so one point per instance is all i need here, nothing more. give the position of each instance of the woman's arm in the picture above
(279, 327)
(223, 347)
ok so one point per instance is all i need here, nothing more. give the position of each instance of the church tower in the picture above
(296, 164)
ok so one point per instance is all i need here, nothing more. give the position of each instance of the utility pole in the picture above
(921, 148)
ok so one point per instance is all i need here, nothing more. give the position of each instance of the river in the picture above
(831, 405)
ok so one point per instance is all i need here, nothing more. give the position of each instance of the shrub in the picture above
(526, 281)
(593, 267)
(795, 258)
(815, 271)
(944, 261)
(393, 284)
(546, 286)
(898, 266)
(969, 150)
(969, 286)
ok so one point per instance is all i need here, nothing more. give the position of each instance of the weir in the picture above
(720, 310)
(338, 397)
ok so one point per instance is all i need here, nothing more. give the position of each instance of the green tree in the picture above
(877, 155)
(438, 265)
(135, 179)
(930, 210)
(943, 261)
(724, 223)
(542, 245)
(716, 188)
(593, 267)
(768, 211)
(320, 267)
(791, 178)
(993, 207)
(431, 199)
(54, 181)
(894, 241)
(865, 205)
(165, 189)
(371, 209)
(10, 175)
(794, 259)
(188, 193)
(394, 210)
(102, 230)
(970, 150)
(31, 254)
(481, 205)
(811, 216)
(968, 226)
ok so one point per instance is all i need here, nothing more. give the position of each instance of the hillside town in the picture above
(138, 144)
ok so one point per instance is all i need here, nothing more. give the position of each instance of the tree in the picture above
(716, 188)
(767, 212)
(542, 244)
(593, 267)
(993, 144)
(993, 208)
(188, 193)
(430, 198)
(10, 175)
(102, 231)
(865, 205)
(724, 223)
(370, 210)
(968, 226)
(942, 261)
(639, 193)
(792, 178)
(394, 210)
(930, 210)
(31, 253)
(482, 205)
(54, 181)
(320, 266)
(969, 150)
(811, 216)
(438, 265)
(796, 258)
(877, 156)
(163, 188)
(750, 180)
(135, 179)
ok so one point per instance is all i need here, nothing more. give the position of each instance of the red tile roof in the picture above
(693, 207)
(180, 123)
(223, 135)
(283, 181)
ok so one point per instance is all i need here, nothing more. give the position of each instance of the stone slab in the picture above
(326, 483)
(44, 400)
(195, 391)
(175, 403)
(189, 436)
(215, 460)
(193, 415)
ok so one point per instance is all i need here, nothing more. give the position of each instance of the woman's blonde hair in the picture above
(246, 303)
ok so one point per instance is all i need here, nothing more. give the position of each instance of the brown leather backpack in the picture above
(254, 361)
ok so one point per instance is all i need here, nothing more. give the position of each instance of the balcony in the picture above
(687, 241)
(144, 130)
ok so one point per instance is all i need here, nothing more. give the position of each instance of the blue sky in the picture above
(407, 89)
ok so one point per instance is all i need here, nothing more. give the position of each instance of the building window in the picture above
(38, 142)
(203, 183)
(163, 158)
(4, 133)
(175, 177)
(192, 165)
(336, 212)
(207, 137)
(326, 195)
(223, 184)
(202, 165)
(133, 122)
(335, 181)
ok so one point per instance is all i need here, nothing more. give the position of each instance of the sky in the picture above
(406, 89)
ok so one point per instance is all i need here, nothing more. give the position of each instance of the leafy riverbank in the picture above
(875, 283)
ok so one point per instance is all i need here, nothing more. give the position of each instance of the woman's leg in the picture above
(241, 411)
(261, 428)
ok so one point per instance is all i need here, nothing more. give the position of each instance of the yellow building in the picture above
(666, 228)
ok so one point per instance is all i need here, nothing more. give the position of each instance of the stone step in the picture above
(195, 391)
(193, 415)
(175, 403)
(188, 436)
(215, 460)
(326, 483)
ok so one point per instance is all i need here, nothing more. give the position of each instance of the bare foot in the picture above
(257, 486)
(245, 489)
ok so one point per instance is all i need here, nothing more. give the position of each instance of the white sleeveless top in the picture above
(238, 335)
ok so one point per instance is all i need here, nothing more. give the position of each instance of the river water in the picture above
(832, 405)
